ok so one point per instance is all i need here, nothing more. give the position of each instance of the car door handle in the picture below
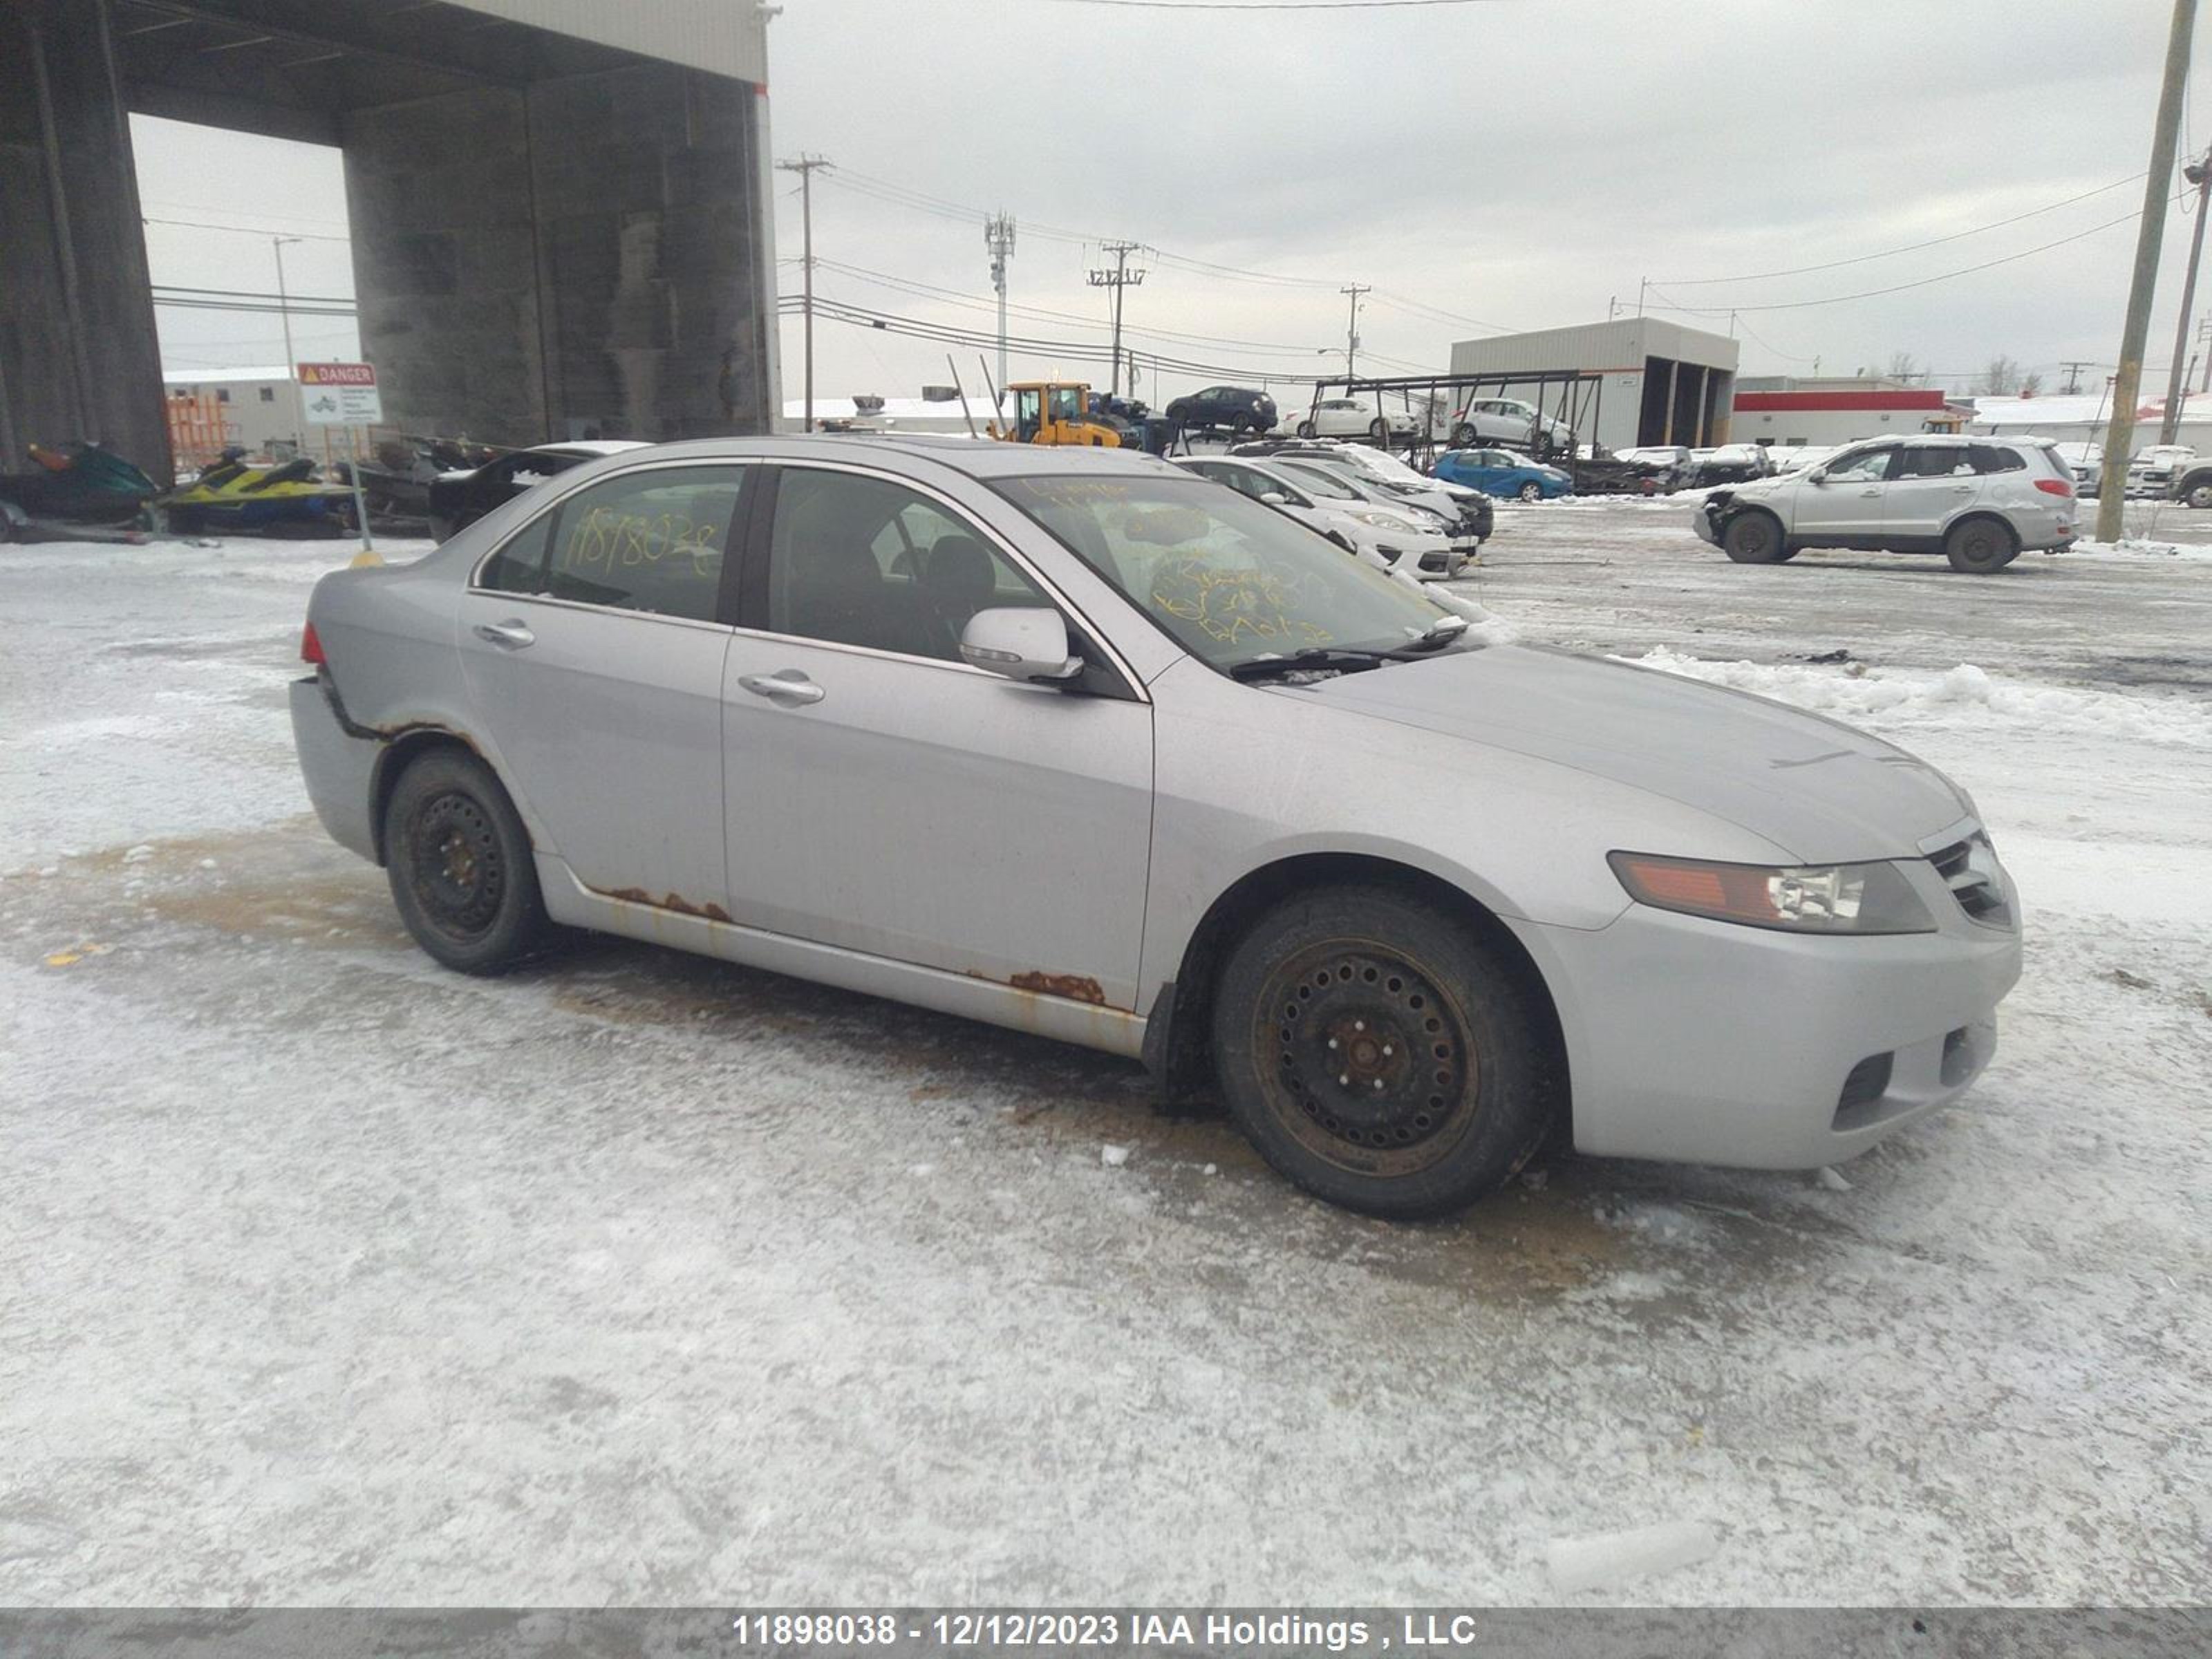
(1870, 492)
(785, 685)
(510, 635)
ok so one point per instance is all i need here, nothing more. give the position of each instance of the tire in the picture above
(1981, 547)
(1754, 538)
(1461, 1082)
(1305, 428)
(1531, 491)
(1462, 436)
(459, 864)
(1379, 430)
(2199, 494)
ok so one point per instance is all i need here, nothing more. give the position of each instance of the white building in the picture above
(1632, 381)
(873, 413)
(211, 407)
(1783, 412)
(2082, 418)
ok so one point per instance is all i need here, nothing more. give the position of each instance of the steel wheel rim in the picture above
(1364, 1061)
(455, 868)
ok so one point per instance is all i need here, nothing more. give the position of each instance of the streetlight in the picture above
(291, 367)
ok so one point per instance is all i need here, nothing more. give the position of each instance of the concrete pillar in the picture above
(577, 258)
(79, 357)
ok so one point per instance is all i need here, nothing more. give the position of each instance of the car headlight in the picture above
(1383, 522)
(1831, 898)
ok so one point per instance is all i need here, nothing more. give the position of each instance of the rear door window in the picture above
(651, 541)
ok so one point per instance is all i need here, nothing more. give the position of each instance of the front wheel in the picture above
(1462, 436)
(1754, 538)
(2199, 494)
(1981, 547)
(1531, 492)
(1379, 1055)
(459, 863)
(1379, 430)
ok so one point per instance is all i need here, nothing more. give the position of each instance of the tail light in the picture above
(311, 648)
(2055, 486)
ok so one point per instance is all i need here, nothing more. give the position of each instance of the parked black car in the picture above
(1238, 408)
(460, 499)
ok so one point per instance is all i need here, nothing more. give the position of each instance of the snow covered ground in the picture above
(328, 1277)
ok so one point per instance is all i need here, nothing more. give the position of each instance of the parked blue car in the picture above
(1502, 472)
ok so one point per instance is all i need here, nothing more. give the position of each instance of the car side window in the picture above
(1932, 461)
(518, 565)
(1990, 458)
(651, 541)
(859, 560)
(1868, 466)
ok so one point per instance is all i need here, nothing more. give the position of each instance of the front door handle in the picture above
(510, 635)
(786, 685)
(1870, 492)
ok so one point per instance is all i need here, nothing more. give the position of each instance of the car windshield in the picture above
(1227, 577)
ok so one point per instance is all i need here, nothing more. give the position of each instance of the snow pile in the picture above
(2139, 547)
(1607, 1559)
(1964, 696)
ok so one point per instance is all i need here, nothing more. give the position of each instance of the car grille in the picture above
(1969, 869)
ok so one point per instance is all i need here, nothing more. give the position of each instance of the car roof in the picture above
(590, 447)
(977, 457)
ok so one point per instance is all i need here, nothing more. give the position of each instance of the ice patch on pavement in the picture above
(1964, 696)
(1606, 1560)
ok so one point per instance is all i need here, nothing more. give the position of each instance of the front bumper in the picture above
(1702, 1041)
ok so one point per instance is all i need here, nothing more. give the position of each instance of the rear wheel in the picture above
(1305, 428)
(1379, 1055)
(1981, 547)
(459, 863)
(1754, 538)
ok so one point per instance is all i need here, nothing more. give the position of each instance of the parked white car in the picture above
(1381, 478)
(2085, 459)
(1512, 424)
(1350, 418)
(2151, 472)
(1384, 536)
(1979, 501)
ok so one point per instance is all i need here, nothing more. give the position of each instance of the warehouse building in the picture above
(560, 209)
(1633, 381)
(1784, 411)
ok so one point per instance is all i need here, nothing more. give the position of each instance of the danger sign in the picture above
(340, 394)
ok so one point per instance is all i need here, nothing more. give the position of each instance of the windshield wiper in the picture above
(1319, 656)
(1435, 637)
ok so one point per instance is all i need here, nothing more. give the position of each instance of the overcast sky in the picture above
(1523, 162)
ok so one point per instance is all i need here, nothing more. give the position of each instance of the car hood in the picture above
(1820, 790)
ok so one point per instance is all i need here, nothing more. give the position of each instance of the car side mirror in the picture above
(1023, 643)
(1817, 475)
(1275, 498)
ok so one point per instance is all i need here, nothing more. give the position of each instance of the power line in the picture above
(240, 230)
(1900, 288)
(1911, 247)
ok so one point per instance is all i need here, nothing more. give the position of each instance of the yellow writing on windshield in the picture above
(602, 540)
(1232, 606)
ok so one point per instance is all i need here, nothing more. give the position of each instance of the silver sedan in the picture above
(1075, 742)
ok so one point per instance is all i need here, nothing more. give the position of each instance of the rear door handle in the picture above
(786, 685)
(510, 635)
(1876, 491)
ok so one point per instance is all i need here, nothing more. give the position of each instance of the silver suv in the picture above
(1978, 501)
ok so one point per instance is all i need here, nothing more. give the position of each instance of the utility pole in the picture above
(2127, 384)
(2074, 376)
(291, 364)
(999, 238)
(1351, 329)
(803, 167)
(2199, 173)
(1117, 279)
(2204, 338)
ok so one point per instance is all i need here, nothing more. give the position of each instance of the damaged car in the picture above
(1075, 742)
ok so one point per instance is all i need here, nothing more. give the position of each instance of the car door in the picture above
(1847, 504)
(885, 797)
(1929, 484)
(591, 648)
